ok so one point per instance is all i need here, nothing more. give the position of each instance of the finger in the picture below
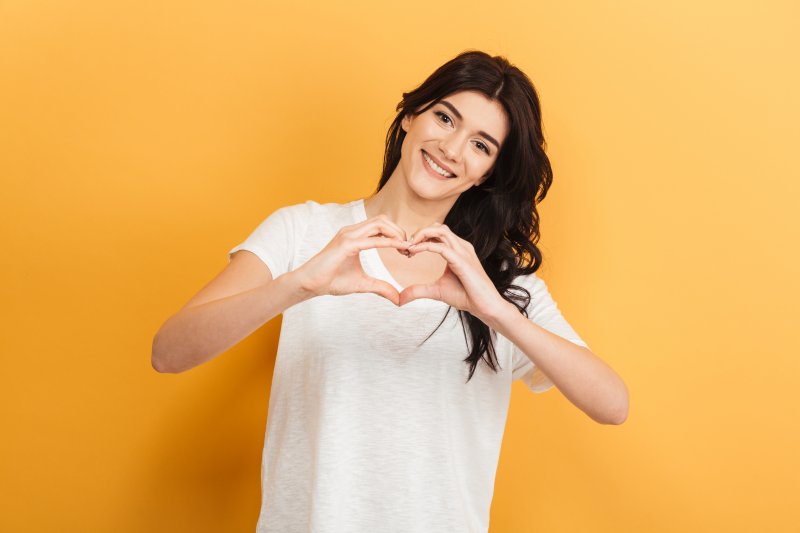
(380, 242)
(439, 248)
(381, 224)
(414, 292)
(437, 232)
(371, 227)
(396, 226)
(381, 288)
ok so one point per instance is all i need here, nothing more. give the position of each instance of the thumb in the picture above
(413, 292)
(381, 288)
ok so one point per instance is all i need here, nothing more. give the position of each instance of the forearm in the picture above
(197, 334)
(586, 380)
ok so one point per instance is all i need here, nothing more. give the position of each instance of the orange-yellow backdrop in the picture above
(141, 141)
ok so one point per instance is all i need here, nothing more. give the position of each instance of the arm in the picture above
(197, 333)
(244, 296)
(581, 376)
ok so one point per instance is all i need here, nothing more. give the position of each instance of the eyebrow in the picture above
(458, 115)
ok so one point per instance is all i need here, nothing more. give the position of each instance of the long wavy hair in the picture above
(499, 216)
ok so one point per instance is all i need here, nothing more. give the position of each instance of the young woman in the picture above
(406, 317)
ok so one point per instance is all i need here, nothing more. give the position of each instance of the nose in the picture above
(450, 147)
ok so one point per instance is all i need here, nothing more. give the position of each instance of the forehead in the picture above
(479, 112)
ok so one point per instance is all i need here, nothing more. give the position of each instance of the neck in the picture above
(405, 208)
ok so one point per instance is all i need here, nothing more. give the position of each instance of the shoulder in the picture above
(314, 221)
(299, 210)
(328, 214)
(295, 216)
(312, 208)
(531, 281)
(541, 300)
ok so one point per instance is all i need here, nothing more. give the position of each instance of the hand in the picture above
(464, 283)
(336, 269)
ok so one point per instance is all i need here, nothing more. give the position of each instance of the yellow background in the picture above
(139, 142)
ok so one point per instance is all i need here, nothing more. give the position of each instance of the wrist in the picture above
(298, 285)
(502, 314)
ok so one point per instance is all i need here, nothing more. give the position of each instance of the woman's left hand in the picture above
(464, 283)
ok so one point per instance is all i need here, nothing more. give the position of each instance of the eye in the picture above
(441, 114)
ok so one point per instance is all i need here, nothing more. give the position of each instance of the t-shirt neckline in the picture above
(371, 254)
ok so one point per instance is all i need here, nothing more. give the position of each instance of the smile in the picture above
(433, 167)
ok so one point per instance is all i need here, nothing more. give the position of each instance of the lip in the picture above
(422, 152)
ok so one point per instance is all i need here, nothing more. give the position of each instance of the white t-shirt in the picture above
(367, 432)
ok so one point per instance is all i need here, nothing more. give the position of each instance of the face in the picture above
(460, 134)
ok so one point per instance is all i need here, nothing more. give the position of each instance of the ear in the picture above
(405, 123)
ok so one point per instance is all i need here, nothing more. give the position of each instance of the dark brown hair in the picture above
(498, 216)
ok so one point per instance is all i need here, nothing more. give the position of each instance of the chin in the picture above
(423, 192)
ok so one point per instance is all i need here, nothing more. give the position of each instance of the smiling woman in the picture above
(381, 415)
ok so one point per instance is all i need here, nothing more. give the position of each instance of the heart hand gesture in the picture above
(464, 283)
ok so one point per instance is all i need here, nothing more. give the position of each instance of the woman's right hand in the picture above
(336, 269)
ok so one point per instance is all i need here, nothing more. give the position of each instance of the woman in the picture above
(376, 424)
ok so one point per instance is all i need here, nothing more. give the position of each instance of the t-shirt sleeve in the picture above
(544, 312)
(276, 239)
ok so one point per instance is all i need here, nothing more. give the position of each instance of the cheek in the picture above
(408, 141)
(478, 166)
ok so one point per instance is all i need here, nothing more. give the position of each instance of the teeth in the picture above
(436, 167)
